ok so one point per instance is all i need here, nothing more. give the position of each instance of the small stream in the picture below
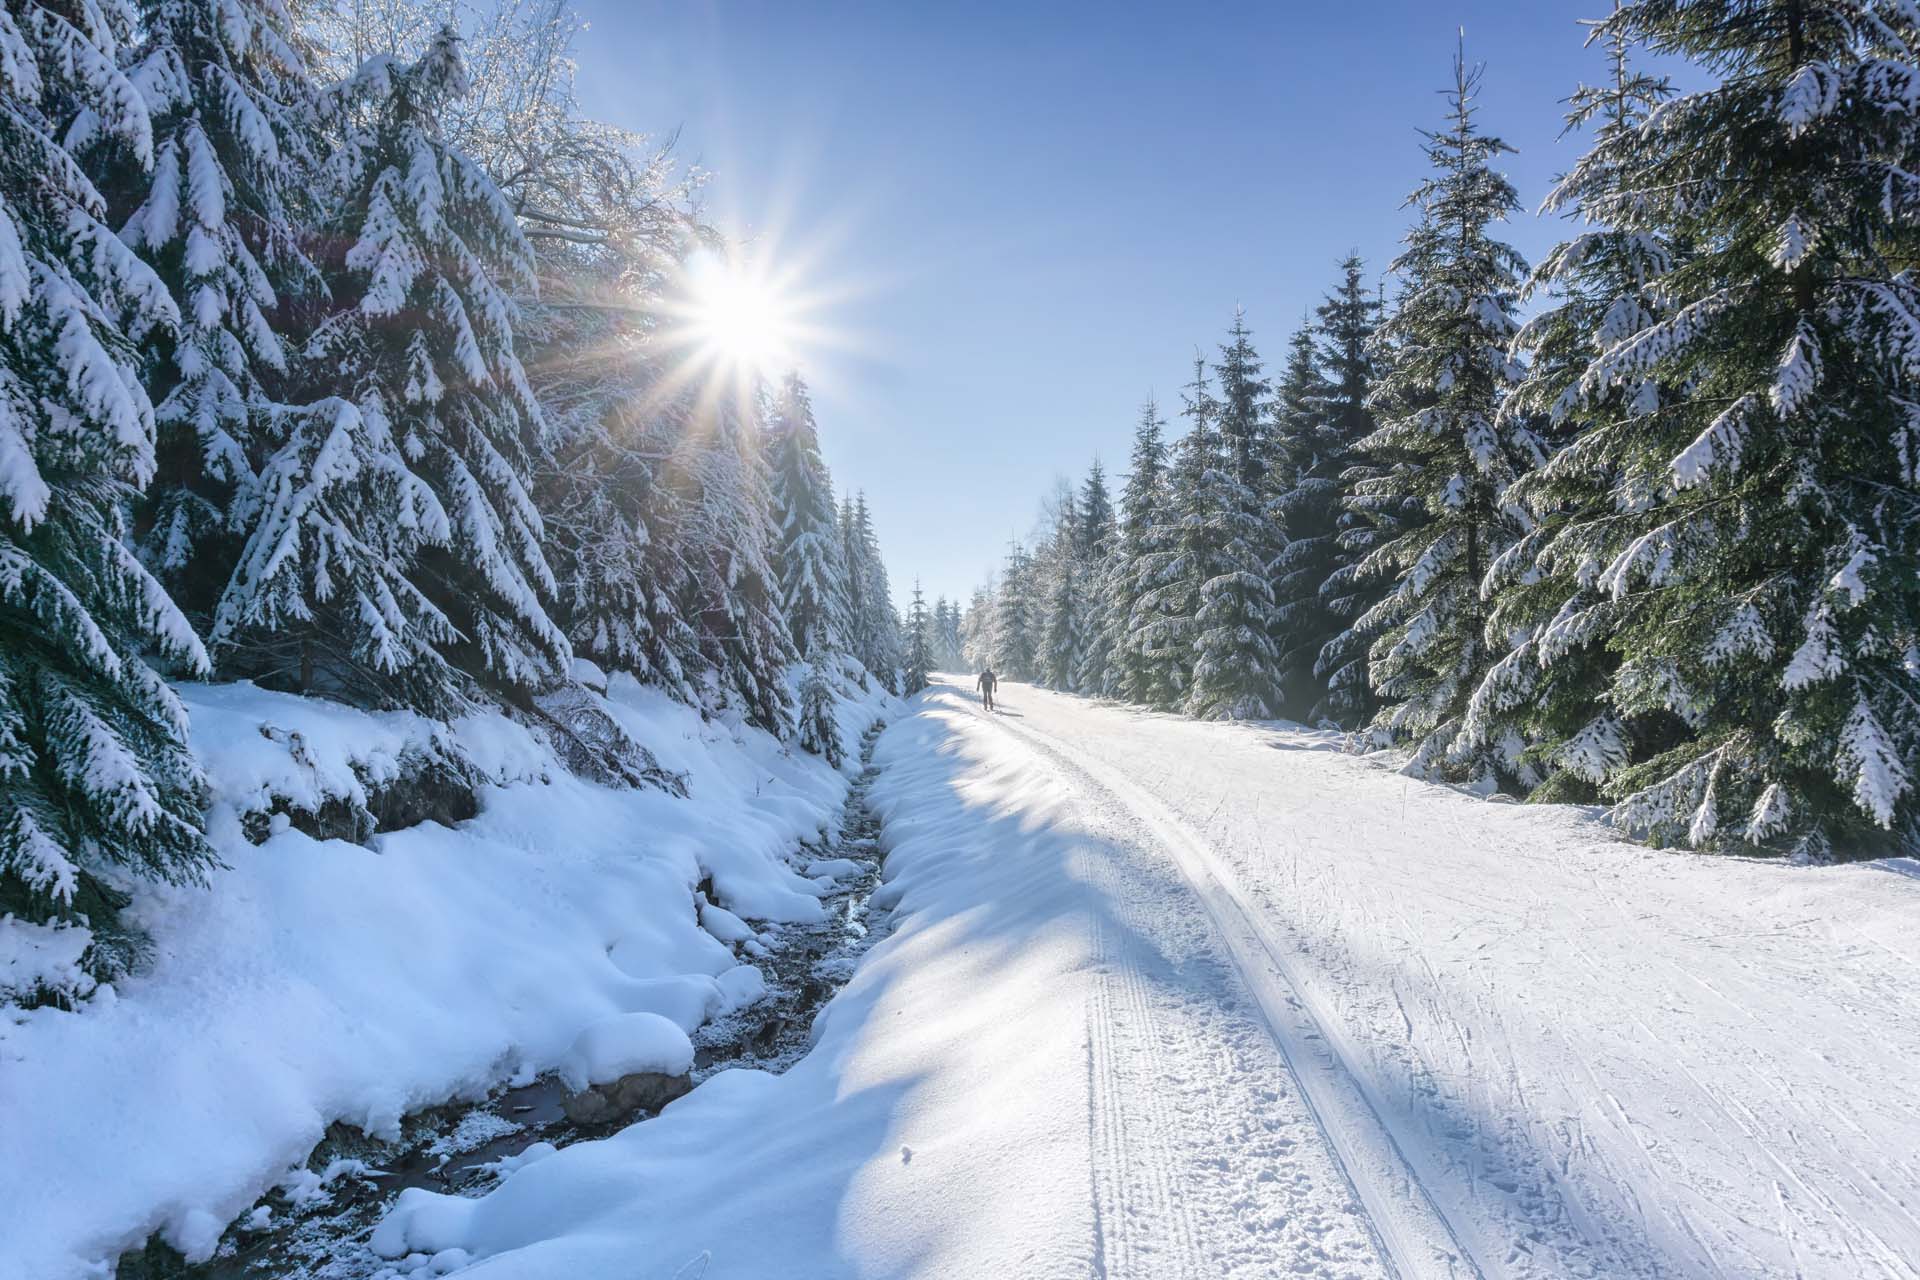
(315, 1225)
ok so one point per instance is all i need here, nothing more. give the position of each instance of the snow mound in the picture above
(833, 869)
(316, 980)
(625, 1044)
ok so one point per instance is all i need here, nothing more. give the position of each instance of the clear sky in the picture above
(1018, 219)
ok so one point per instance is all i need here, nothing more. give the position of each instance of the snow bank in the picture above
(316, 981)
(933, 1129)
(624, 1044)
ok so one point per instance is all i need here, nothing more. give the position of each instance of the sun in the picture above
(738, 318)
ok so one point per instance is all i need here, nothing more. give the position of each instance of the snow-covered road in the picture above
(1174, 999)
(1533, 1047)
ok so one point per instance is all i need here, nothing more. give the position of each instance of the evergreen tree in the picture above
(1175, 568)
(1299, 503)
(220, 216)
(1235, 668)
(1140, 534)
(1326, 415)
(725, 536)
(1095, 515)
(396, 534)
(94, 767)
(876, 627)
(1550, 690)
(977, 628)
(1099, 561)
(819, 728)
(1763, 576)
(1063, 646)
(615, 415)
(1449, 448)
(808, 555)
(1015, 644)
(919, 659)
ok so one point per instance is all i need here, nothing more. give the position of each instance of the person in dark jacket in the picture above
(988, 683)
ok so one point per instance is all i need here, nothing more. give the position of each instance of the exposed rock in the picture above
(603, 1104)
(434, 784)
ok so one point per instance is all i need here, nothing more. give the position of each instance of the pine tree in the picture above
(726, 535)
(1095, 515)
(1173, 571)
(1142, 535)
(876, 627)
(1550, 690)
(1449, 447)
(977, 628)
(1235, 668)
(808, 556)
(1098, 557)
(1327, 417)
(350, 562)
(1063, 645)
(94, 767)
(219, 216)
(1015, 644)
(919, 660)
(1763, 581)
(1303, 502)
(819, 727)
(615, 415)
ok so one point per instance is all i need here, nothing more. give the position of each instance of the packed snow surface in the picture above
(1170, 999)
(316, 981)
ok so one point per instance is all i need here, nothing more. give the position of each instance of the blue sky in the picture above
(1022, 218)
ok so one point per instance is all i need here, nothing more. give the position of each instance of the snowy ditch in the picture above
(369, 997)
(322, 1220)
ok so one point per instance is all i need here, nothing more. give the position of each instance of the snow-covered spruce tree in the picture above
(1063, 644)
(1235, 669)
(384, 597)
(976, 628)
(875, 627)
(725, 536)
(1094, 514)
(1015, 642)
(1322, 414)
(819, 728)
(1551, 688)
(919, 659)
(1354, 352)
(1172, 572)
(1440, 424)
(220, 215)
(1098, 559)
(808, 557)
(95, 773)
(1765, 600)
(616, 411)
(946, 634)
(1141, 533)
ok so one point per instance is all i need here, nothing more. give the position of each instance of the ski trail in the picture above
(1204, 1163)
(1413, 1234)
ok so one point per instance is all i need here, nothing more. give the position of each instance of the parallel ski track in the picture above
(1414, 1236)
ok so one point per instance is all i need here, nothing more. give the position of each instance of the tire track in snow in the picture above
(1412, 1232)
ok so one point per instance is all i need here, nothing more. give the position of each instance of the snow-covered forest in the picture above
(365, 377)
(1636, 524)
(472, 796)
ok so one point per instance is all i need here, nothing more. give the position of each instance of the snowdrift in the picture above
(318, 980)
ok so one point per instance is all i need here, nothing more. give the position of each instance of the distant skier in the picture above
(988, 683)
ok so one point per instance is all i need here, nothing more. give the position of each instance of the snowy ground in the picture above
(317, 981)
(1167, 999)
